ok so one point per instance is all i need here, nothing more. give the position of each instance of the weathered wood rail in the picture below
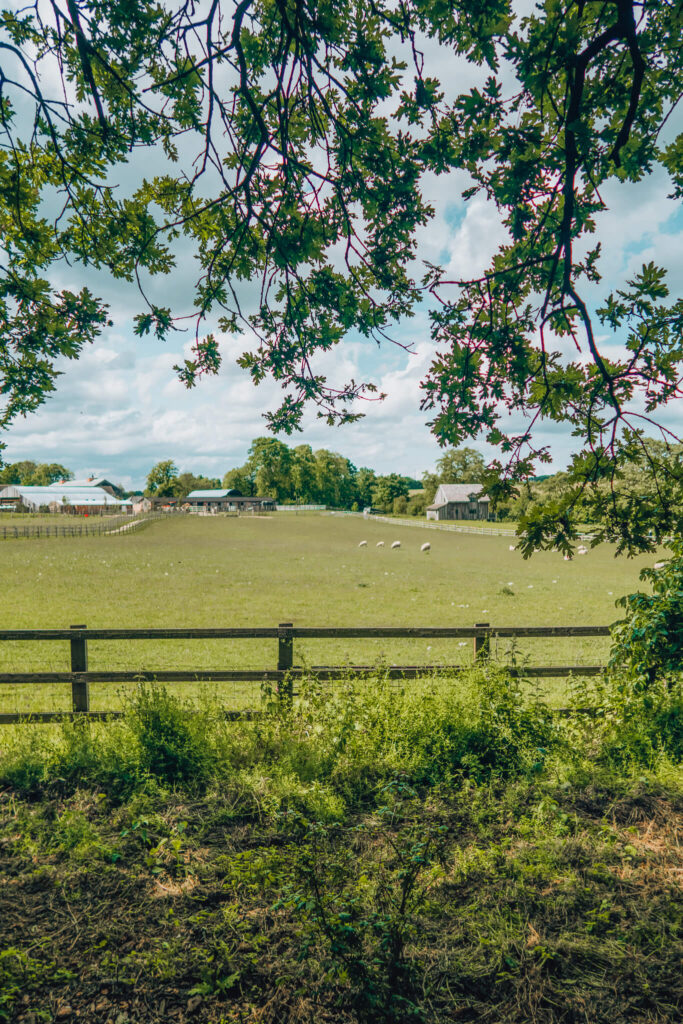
(115, 526)
(286, 671)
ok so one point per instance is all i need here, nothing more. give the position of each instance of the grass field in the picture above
(365, 854)
(306, 569)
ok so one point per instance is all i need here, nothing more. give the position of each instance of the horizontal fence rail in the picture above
(117, 526)
(285, 673)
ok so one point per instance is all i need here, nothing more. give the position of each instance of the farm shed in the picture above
(227, 501)
(63, 497)
(140, 503)
(459, 501)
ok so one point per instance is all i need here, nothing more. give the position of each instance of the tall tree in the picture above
(240, 479)
(388, 488)
(294, 140)
(303, 473)
(335, 479)
(162, 479)
(365, 481)
(186, 482)
(270, 461)
(461, 466)
(50, 473)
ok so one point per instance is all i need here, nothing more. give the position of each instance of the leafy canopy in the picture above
(292, 139)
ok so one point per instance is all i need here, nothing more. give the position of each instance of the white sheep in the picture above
(379, 544)
(567, 558)
(363, 544)
(511, 547)
(582, 550)
(659, 565)
(426, 546)
(396, 544)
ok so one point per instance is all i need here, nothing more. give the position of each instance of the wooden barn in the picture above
(459, 501)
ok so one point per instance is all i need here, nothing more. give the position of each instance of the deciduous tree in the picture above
(162, 479)
(293, 140)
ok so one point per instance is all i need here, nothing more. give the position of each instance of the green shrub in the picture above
(648, 641)
(357, 735)
(174, 740)
(334, 746)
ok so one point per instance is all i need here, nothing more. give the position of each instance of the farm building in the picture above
(140, 503)
(227, 501)
(459, 501)
(94, 481)
(84, 499)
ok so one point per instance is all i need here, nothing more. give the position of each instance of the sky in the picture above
(120, 408)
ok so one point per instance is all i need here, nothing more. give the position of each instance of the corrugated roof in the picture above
(459, 492)
(76, 495)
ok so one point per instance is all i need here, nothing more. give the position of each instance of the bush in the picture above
(335, 746)
(355, 737)
(634, 726)
(173, 739)
(648, 641)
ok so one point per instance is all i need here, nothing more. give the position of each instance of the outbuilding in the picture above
(63, 497)
(228, 500)
(459, 501)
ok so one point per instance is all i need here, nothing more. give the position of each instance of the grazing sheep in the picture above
(379, 544)
(659, 565)
(363, 544)
(426, 547)
(511, 547)
(582, 550)
(396, 544)
(567, 558)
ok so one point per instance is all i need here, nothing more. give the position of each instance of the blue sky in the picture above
(120, 408)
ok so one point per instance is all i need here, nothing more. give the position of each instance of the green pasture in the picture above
(51, 519)
(215, 571)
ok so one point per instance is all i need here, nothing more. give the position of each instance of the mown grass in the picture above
(360, 855)
(306, 569)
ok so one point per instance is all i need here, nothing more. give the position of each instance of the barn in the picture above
(228, 500)
(62, 497)
(459, 501)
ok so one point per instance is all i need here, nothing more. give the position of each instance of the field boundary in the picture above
(449, 527)
(117, 525)
(285, 672)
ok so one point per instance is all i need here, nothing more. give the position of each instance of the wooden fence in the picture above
(116, 526)
(285, 671)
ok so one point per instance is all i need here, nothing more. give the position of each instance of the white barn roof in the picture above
(75, 495)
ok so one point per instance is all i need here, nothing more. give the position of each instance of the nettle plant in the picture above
(648, 641)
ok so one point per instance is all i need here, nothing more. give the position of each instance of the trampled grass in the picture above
(303, 569)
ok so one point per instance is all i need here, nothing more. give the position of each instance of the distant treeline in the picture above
(300, 475)
(33, 474)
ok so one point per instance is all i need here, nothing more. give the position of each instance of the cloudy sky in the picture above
(120, 408)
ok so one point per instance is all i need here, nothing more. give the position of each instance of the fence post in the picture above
(482, 644)
(285, 655)
(80, 688)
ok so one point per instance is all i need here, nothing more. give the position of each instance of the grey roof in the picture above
(459, 492)
(215, 493)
